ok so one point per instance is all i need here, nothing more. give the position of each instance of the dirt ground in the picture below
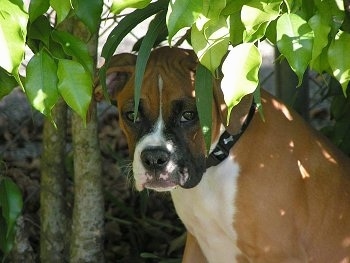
(139, 227)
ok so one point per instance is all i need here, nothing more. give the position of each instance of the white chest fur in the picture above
(207, 211)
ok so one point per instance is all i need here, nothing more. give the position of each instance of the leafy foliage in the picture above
(13, 29)
(47, 70)
(307, 33)
(62, 66)
(10, 206)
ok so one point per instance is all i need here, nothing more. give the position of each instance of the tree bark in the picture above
(88, 212)
(53, 213)
(22, 250)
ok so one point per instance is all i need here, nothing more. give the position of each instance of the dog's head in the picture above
(165, 139)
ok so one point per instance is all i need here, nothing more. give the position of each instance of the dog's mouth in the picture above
(165, 181)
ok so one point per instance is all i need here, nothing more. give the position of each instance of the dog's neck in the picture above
(227, 140)
(238, 114)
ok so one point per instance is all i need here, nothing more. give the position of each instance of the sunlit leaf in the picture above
(120, 5)
(339, 62)
(41, 82)
(257, 34)
(13, 30)
(331, 14)
(256, 15)
(240, 70)
(75, 86)
(181, 14)
(213, 8)
(210, 42)
(295, 41)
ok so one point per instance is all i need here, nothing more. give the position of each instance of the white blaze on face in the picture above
(154, 139)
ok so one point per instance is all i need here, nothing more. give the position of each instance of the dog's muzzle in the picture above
(164, 171)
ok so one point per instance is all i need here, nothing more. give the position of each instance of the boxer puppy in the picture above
(269, 191)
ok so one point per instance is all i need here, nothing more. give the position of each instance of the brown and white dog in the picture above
(281, 195)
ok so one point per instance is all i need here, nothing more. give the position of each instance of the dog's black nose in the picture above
(155, 158)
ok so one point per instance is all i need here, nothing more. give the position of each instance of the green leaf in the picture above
(210, 42)
(6, 242)
(204, 98)
(232, 7)
(213, 8)
(181, 14)
(74, 47)
(240, 70)
(126, 25)
(295, 42)
(89, 12)
(75, 86)
(257, 34)
(37, 8)
(162, 36)
(236, 29)
(120, 5)
(144, 53)
(41, 82)
(271, 33)
(321, 31)
(40, 30)
(339, 62)
(62, 8)
(13, 31)
(331, 14)
(256, 15)
(7, 83)
(10, 202)
(121, 30)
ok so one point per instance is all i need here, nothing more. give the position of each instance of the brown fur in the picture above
(293, 192)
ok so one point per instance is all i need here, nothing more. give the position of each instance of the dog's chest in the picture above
(208, 211)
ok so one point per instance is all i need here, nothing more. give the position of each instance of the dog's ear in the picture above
(120, 70)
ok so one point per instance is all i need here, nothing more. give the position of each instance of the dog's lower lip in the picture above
(160, 185)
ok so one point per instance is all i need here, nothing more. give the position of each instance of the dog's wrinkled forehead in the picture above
(167, 70)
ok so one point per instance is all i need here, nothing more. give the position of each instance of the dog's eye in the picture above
(187, 116)
(132, 116)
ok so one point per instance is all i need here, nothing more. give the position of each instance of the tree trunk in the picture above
(88, 211)
(53, 214)
(22, 250)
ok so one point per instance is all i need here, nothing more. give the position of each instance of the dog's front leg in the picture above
(193, 252)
